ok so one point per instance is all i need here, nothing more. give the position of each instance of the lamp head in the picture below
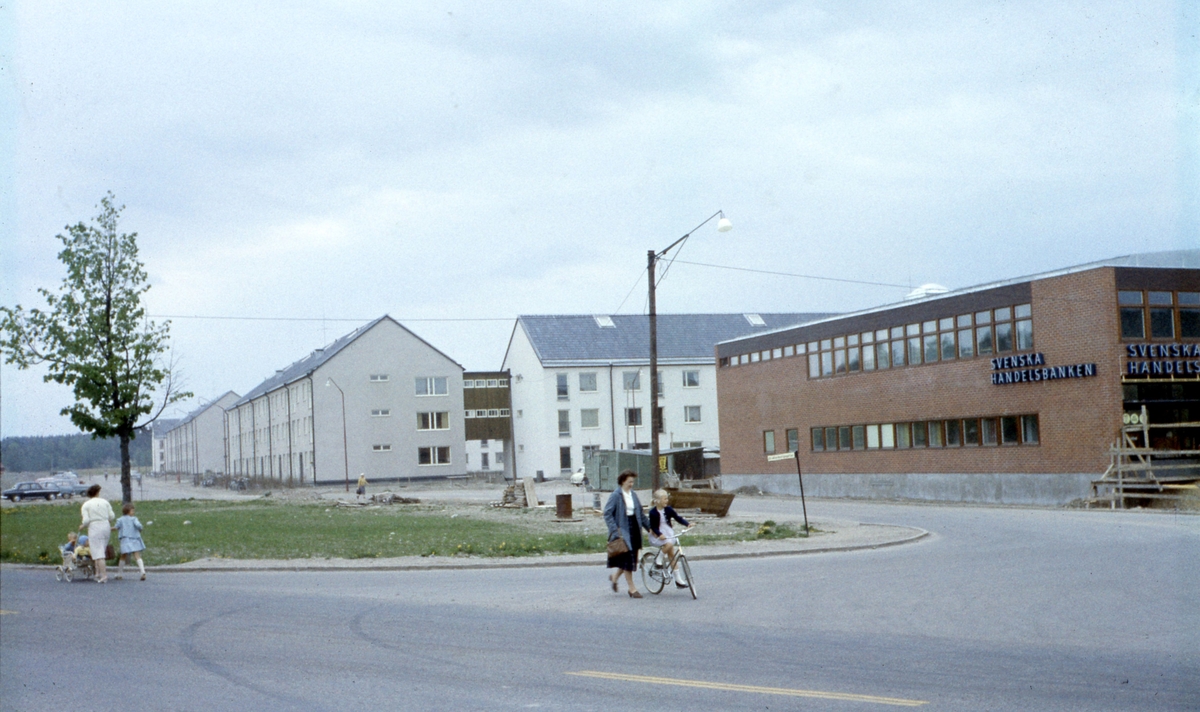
(723, 225)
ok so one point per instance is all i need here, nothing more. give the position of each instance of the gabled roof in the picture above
(200, 409)
(310, 363)
(563, 340)
(1167, 259)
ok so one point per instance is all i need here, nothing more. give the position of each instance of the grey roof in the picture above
(578, 339)
(305, 366)
(1167, 259)
(199, 409)
(162, 426)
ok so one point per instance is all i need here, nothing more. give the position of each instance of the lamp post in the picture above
(652, 258)
(345, 455)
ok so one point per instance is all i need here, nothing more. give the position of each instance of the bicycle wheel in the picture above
(652, 575)
(687, 573)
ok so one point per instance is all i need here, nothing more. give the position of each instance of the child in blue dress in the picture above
(129, 531)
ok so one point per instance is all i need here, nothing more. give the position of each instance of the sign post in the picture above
(785, 456)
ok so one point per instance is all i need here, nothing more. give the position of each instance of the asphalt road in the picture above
(1001, 609)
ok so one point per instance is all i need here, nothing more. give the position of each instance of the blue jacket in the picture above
(617, 518)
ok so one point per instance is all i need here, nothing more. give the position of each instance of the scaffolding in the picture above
(1137, 471)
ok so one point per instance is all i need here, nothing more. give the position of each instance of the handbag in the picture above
(617, 546)
(109, 552)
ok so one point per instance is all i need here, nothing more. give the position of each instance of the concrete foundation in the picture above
(1040, 489)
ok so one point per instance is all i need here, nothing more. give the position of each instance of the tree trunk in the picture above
(126, 485)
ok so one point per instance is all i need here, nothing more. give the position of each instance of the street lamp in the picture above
(345, 456)
(652, 258)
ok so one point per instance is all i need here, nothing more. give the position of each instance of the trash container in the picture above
(562, 506)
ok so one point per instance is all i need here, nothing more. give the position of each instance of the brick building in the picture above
(1008, 392)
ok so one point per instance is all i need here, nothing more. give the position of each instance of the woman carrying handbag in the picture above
(625, 519)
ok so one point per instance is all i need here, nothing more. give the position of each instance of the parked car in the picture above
(27, 490)
(68, 484)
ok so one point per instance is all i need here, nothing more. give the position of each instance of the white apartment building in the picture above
(379, 401)
(196, 443)
(158, 444)
(581, 382)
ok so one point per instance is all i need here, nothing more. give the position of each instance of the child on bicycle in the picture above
(661, 533)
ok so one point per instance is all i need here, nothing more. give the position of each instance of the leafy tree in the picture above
(95, 337)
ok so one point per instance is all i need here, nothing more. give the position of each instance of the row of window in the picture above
(982, 333)
(589, 418)
(958, 432)
(485, 383)
(489, 413)
(1166, 313)
(425, 455)
(630, 381)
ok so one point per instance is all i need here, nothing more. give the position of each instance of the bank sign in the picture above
(1162, 360)
(1031, 368)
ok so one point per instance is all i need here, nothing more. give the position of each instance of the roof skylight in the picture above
(604, 322)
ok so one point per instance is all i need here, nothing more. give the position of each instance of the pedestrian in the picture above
(97, 518)
(362, 485)
(625, 519)
(129, 533)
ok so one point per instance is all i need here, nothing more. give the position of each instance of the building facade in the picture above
(581, 383)
(195, 445)
(487, 411)
(1010, 392)
(379, 401)
(158, 446)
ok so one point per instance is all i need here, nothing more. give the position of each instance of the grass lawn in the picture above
(185, 530)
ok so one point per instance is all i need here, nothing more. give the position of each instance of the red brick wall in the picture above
(1074, 321)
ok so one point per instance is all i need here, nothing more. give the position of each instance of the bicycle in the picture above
(657, 572)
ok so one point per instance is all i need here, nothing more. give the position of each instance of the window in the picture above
(480, 383)
(381, 412)
(858, 437)
(1004, 337)
(1029, 429)
(1162, 322)
(433, 456)
(948, 349)
(381, 448)
(483, 461)
(971, 432)
(920, 436)
(564, 459)
(564, 423)
(504, 412)
(632, 380)
(953, 433)
(561, 379)
(1132, 323)
(492, 382)
(483, 444)
(883, 358)
(983, 340)
(589, 418)
(587, 383)
(434, 386)
(378, 377)
(691, 414)
(903, 435)
(604, 322)
(633, 417)
(1024, 335)
(433, 421)
(818, 439)
(936, 433)
(793, 440)
(988, 431)
(769, 442)
(691, 379)
(872, 437)
(814, 365)
(844, 437)
(1009, 435)
(966, 343)
(931, 348)
(468, 383)
(887, 435)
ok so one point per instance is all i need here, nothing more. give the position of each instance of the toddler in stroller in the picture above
(76, 559)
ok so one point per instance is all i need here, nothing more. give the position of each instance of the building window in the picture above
(587, 383)
(561, 379)
(564, 423)
(483, 444)
(633, 416)
(434, 386)
(793, 440)
(769, 442)
(433, 456)
(381, 448)
(691, 379)
(468, 383)
(872, 437)
(1029, 429)
(378, 377)
(632, 380)
(433, 421)
(564, 459)
(484, 461)
(504, 412)
(1009, 435)
(691, 414)
(818, 439)
(381, 412)
(988, 431)
(589, 418)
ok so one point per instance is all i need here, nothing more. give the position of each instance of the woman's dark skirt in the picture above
(628, 560)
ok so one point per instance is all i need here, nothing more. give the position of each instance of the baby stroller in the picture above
(74, 566)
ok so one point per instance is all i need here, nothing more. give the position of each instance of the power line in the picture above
(793, 274)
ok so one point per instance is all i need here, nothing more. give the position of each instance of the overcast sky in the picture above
(442, 161)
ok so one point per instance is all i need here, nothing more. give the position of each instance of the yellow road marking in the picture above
(898, 701)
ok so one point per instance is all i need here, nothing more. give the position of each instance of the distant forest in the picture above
(71, 452)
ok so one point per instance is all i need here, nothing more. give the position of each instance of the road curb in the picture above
(448, 564)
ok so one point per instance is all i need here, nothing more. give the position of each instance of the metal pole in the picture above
(651, 258)
(802, 504)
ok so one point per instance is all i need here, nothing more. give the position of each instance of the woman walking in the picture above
(625, 519)
(97, 518)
